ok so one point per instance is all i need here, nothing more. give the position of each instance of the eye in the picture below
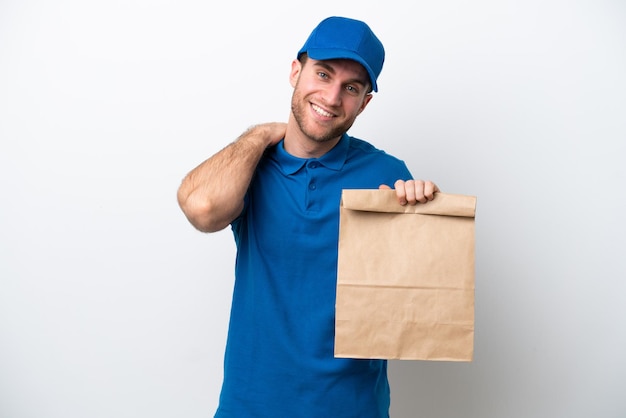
(322, 74)
(352, 89)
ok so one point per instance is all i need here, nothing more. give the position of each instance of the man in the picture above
(279, 186)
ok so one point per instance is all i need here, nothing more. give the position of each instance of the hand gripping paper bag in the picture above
(405, 277)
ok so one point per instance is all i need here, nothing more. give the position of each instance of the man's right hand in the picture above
(271, 132)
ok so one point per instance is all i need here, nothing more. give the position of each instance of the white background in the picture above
(112, 305)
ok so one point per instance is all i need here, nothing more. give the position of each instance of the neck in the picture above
(302, 146)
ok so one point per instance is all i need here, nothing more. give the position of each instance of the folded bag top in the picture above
(377, 200)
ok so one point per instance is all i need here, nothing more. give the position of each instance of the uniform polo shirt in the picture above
(279, 360)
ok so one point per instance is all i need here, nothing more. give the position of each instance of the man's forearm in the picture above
(212, 194)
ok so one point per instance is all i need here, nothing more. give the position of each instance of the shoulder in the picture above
(359, 144)
(360, 148)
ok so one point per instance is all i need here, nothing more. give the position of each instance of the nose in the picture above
(332, 94)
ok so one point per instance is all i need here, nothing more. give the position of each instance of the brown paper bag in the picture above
(405, 278)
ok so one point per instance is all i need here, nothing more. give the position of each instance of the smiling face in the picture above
(327, 98)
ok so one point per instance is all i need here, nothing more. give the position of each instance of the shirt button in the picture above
(314, 164)
(312, 186)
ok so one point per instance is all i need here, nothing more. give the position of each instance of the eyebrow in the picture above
(328, 67)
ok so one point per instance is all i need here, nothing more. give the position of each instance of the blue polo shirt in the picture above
(279, 360)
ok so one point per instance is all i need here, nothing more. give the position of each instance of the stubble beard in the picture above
(299, 109)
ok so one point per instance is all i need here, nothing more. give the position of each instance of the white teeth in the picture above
(321, 111)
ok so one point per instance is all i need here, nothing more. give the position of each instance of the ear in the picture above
(366, 100)
(296, 68)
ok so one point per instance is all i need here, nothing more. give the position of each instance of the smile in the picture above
(321, 111)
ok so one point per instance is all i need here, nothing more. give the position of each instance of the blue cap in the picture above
(343, 38)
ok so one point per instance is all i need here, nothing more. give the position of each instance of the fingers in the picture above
(271, 132)
(430, 189)
(415, 191)
(401, 192)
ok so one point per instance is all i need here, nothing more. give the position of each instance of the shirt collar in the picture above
(333, 159)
